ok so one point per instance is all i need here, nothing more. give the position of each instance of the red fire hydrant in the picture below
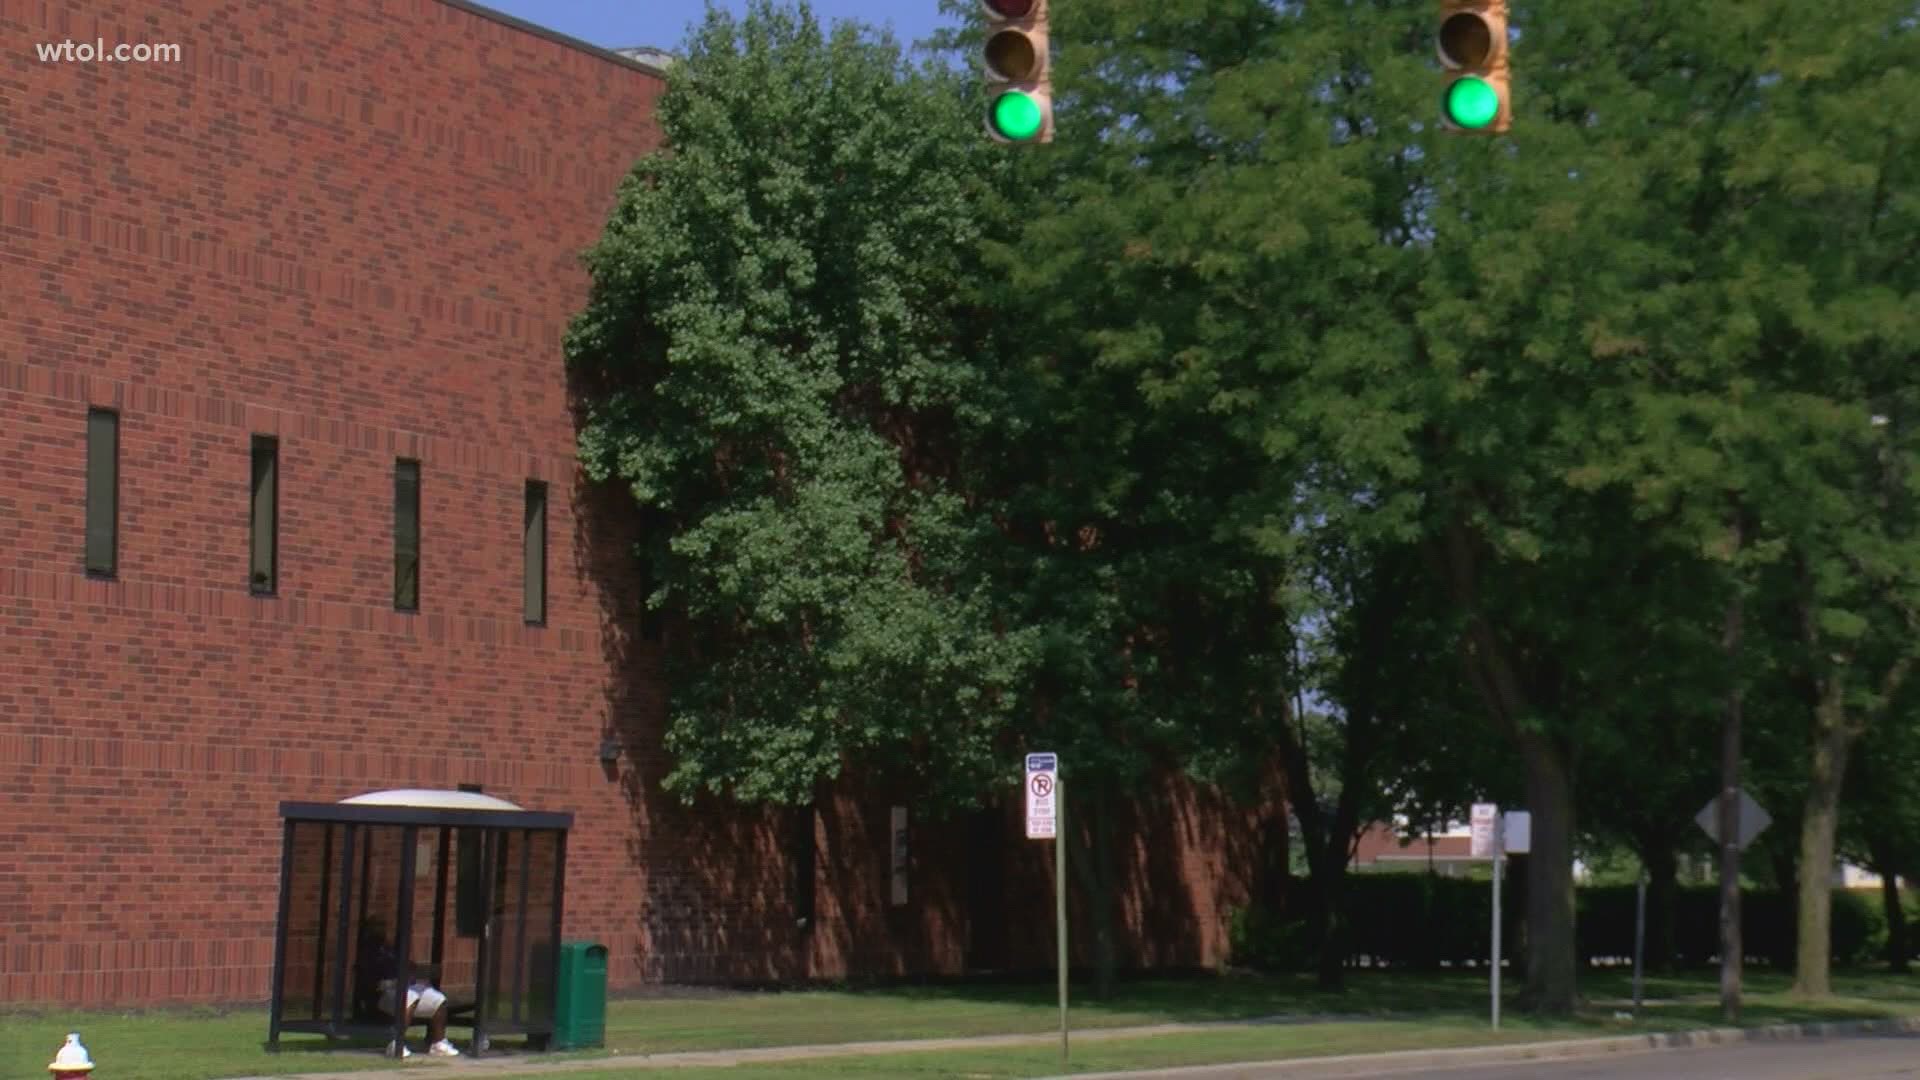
(72, 1062)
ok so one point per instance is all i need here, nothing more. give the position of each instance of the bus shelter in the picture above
(455, 888)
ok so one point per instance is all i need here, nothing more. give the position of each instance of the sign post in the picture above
(1497, 860)
(1485, 823)
(1733, 819)
(1046, 813)
(1639, 936)
(1495, 834)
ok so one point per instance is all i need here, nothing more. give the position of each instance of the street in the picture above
(1801, 1059)
(1855, 1057)
(1848, 1058)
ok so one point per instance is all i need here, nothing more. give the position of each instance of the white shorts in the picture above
(422, 1001)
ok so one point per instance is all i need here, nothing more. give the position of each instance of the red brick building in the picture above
(1448, 852)
(280, 385)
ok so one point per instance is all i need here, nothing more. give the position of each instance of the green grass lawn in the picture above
(1379, 1011)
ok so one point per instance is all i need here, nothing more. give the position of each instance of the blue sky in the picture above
(663, 23)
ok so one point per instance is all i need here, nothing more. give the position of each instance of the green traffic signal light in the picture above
(1472, 103)
(1016, 116)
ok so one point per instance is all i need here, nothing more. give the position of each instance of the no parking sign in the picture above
(1043, 782)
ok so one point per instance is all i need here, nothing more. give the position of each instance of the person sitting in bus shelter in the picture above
(378, 971)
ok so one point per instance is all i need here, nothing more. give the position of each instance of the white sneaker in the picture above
(404, 1052)
(443, 1048)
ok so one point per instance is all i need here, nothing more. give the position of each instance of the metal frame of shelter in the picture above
(328, 865)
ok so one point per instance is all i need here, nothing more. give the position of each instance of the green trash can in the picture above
(580, 1004)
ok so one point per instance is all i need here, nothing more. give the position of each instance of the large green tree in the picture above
(1561, 362)
(1768, 314)
(900, 517)
(776, 361)
(922, 476)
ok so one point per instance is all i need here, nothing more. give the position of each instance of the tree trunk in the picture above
(1320, 919)
(1329, 881)
(1332, 974)
(1326, 874)
(1327, 843)
(1732, 946)
(1270, 878)
(1490, 667)
(1550, 896)
(1813, 942)
(1896, 920)
(1663, 873)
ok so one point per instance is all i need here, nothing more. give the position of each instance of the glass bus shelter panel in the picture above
(541, 956)
(313, 847)
(523, 956)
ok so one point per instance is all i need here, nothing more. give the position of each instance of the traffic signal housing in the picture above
(1019, 95)
(1472, 43)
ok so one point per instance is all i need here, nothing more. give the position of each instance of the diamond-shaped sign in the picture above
(1753, 819)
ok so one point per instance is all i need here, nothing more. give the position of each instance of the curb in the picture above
(1401, 1061)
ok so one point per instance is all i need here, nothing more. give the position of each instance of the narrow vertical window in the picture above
(406, 535)
(802, 850)
(534, 547)
(264, 558)
(103, 492)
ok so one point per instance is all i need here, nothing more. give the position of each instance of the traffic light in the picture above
(1019, 96)
(1473, 54)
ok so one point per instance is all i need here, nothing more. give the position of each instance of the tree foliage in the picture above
(1504, 426)
(776, 346)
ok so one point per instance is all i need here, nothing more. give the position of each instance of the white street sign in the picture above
(1753, 819)
(1516, 832)
(1043, 782)
(1484, 814)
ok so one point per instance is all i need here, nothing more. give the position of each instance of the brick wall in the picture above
(354, 227)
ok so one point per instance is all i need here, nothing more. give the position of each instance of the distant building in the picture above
(1446, 851)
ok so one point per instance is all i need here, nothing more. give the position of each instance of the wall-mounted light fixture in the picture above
(609, 751)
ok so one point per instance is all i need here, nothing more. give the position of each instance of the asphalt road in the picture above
(1851, 1058)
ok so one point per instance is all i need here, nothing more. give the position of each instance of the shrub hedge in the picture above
(1422, 921)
